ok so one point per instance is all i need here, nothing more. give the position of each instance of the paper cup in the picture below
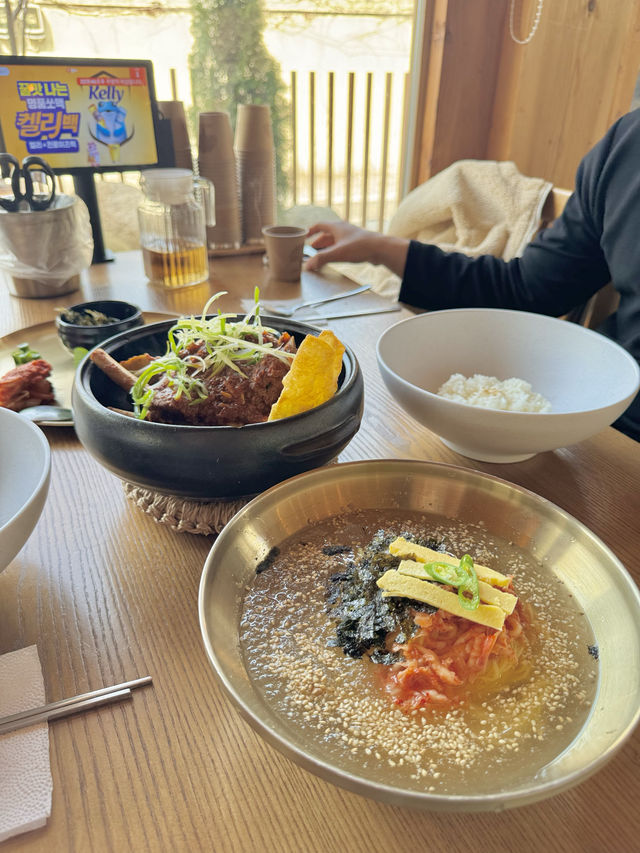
(217, 163)
(215, 139)
(257, 180)
(253, 128)
(174, 111)
(284, 245)
(227, 231)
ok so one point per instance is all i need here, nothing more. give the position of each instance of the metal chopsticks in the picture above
(72, 705)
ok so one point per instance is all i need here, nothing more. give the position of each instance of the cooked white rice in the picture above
(511, 395)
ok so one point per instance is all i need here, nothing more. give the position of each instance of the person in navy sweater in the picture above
(596, 240)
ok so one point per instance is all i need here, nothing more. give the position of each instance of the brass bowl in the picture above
(600, 585)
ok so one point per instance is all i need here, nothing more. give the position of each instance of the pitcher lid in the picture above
(169, 186)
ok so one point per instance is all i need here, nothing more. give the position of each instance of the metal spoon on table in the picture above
(47, 414)
(291, 310)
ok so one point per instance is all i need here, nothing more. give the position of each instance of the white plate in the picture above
(43, 338)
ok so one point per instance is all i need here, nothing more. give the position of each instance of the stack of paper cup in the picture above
(217, 163)
(174, 111)
(255, 155)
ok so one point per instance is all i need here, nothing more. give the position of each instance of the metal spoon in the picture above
(288, 312)
(47, 414)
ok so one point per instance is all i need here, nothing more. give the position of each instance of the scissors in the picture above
(21, 178)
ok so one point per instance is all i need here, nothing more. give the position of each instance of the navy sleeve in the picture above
(559, 270)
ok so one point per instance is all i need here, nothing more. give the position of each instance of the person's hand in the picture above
(342, 241)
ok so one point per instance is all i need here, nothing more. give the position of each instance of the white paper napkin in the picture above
(25, 771)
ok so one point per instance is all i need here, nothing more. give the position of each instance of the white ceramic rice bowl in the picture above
(25, 469)
(588, 379)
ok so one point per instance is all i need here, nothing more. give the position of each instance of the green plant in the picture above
(230, 65)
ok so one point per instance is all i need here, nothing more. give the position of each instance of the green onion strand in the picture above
(227, 343)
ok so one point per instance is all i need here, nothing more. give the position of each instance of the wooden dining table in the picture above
(108, 594)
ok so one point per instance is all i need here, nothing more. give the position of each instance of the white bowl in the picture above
(588, 379)
(25, 468)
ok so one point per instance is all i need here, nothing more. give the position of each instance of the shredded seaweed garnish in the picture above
(332, 550)
(363, 617)
(594, 651)
(267, 561)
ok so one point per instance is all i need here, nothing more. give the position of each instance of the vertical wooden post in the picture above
(330, 121)
(365, 154)
(347, 205)
(294, 139)
(385, 147)
(312, 136)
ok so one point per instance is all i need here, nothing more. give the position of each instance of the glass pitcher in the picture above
(173, 219)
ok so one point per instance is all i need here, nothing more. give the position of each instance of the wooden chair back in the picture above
(553, 206)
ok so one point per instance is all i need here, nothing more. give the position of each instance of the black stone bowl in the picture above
(72, 335)
(209, 462)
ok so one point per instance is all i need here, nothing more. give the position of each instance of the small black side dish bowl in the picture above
(209, 462)
(126, 316)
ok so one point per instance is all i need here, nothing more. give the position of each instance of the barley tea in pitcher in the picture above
(175, 265)
(173, 219)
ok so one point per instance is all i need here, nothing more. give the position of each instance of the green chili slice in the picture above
(445, 573)
(469, 585)
(462, 576)
(24, 354)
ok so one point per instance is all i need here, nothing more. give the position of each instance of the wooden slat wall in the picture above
(462, 67)
(542, 105)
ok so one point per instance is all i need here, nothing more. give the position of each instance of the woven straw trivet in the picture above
(182, 515)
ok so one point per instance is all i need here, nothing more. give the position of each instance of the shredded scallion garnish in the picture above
(228, 342)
